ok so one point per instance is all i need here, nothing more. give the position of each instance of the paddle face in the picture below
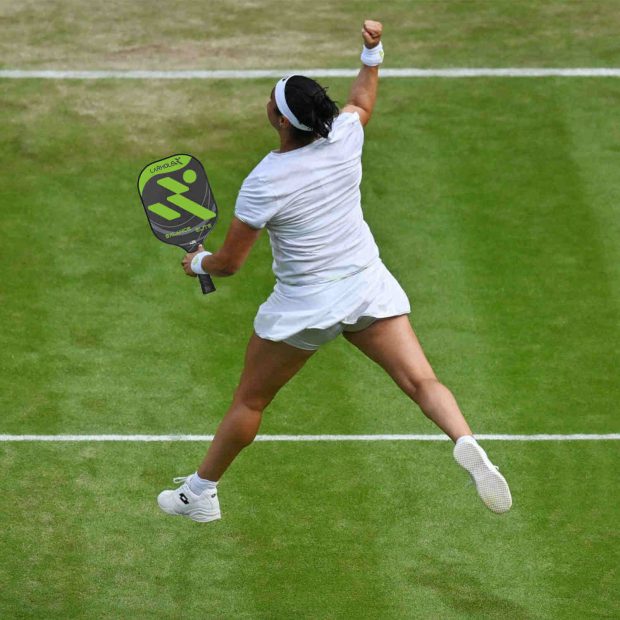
(178, 202)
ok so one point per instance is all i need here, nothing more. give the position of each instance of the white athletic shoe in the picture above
(183, 502)
(490, 484)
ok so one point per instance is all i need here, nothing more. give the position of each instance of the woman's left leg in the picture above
(268, 367)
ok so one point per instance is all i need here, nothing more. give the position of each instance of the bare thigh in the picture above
(268, 367)
(393, 345)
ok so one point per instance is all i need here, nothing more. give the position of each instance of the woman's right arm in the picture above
(231, 256)
(364, 89)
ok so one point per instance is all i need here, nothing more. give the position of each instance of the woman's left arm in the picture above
(231, 256)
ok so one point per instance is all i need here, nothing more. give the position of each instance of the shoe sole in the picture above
(490, 484)
(201, 516)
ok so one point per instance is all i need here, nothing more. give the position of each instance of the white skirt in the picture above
(373, 292)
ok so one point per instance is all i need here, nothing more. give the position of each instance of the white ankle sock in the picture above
(198, 485)
(467, 439)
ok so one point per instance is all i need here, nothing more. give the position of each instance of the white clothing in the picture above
(373, 292)
(309, 200)
(311, 339)
(326, 262)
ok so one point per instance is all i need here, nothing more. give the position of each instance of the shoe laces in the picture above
(180, 479)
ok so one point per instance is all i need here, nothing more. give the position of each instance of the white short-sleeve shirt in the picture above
(309, 200)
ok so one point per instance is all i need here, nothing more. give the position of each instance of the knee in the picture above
(251, 400)
(419, 387)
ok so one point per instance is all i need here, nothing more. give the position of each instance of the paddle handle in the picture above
(206, 284)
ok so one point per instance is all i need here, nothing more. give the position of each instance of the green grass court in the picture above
(495, 202)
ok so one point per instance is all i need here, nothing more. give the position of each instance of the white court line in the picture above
(277, 73)
(313, 438)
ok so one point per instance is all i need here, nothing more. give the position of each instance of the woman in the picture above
(329, 280)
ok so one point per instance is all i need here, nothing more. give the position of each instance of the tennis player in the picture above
(330, 280)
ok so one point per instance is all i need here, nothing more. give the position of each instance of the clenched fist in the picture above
(371, 33)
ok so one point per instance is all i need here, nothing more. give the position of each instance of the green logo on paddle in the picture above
(178, 199)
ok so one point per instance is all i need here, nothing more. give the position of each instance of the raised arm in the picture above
(364, 89)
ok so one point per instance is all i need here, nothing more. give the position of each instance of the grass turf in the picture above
(242, 34)
(495, 202)
(384, 530)
(499, 223)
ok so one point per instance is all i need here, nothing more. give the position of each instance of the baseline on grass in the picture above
(179, 204)
(242, 74)
(312, 438)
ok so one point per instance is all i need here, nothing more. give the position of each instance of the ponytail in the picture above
(310, 103)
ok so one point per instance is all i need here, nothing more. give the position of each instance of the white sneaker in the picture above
(184, 502)
(490, 484)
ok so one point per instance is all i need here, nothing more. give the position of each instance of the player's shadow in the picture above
(465, 592)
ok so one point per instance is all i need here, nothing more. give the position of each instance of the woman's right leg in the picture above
(268, 367)
(393, 345)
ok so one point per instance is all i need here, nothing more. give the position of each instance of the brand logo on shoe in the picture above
(214, 495)
(183, 498)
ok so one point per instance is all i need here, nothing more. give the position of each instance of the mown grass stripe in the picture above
(412, 72)
(314, 438)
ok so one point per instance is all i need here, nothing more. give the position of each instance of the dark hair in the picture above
(309, 102)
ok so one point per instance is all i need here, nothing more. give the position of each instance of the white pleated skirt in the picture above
(373, 292)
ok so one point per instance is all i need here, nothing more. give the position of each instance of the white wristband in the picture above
(373, 56)
(197, 263)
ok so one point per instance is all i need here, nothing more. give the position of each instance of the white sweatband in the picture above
(283, 106)
(196, 264)
(373, 56)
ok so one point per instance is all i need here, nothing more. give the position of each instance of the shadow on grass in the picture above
(466, 593)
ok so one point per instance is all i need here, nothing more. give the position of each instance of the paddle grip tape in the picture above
(206, 283)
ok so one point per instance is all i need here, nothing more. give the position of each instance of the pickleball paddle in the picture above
(179, 204)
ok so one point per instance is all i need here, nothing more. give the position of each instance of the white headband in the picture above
(283, 106)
